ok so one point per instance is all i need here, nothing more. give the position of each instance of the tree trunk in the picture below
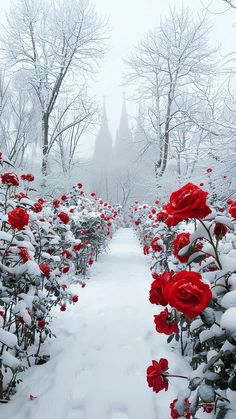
(45, 131)
(167, 134)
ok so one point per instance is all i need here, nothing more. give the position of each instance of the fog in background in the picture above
(116, 150)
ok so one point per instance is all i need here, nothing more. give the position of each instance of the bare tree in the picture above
(53, 42)
(16, 126)
(230, 3)
(165, 68)
(71, 119)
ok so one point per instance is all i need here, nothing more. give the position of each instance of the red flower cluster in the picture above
(10, 179)
(165, 323)
(188, 202)
(157, 375)
(18, 218)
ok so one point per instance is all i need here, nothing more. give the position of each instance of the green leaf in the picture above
(170, 338)
(232, 381)
(208, 316)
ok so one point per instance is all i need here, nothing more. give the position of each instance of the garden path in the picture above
(105, 343)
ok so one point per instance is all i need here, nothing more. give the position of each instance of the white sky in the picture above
(129, 21)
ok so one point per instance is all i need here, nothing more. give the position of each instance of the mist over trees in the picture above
(182, 86)
(54, 47)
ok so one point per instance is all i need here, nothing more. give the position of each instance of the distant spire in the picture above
(103, 143)
(124, 123)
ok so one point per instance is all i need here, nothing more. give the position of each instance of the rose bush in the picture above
(42, 251)
(194, 278)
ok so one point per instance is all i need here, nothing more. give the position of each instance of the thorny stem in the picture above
(213, 245)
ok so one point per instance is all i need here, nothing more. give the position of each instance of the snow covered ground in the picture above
(104, 344)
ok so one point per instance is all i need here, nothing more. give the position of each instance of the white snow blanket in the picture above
(104, 344)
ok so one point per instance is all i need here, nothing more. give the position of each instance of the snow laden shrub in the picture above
(192, 249)
(45, 245)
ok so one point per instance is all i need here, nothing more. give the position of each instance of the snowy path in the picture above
(105, 342)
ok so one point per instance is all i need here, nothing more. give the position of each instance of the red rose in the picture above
(165, 324)
(146, 250)
(63, 197)
(56, 203)
(24, 254)
(10, 179)
(229, 201)
(180, 241)
(45, 269)
(232, 209)
(65, 269)
(63, 307)
(66, 254)
(29, 177)
(79, 185)
(175, 414)
(157, 375)
(42, 201)
(188, 293)
(188, 202)
(92, 194)
(161, 216)
(209, 170)
(84, 232)
(77, 247)
(18, 218)
(154, 244)
(64, 217)
(37, 207)
(90, 262)
(41, 324)
(75, 298)
(157, 294)
(220, 230)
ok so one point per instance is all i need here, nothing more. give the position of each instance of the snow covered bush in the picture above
(45, 245)
(192, 248)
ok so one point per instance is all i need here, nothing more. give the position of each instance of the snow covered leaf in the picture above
(206, 393)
